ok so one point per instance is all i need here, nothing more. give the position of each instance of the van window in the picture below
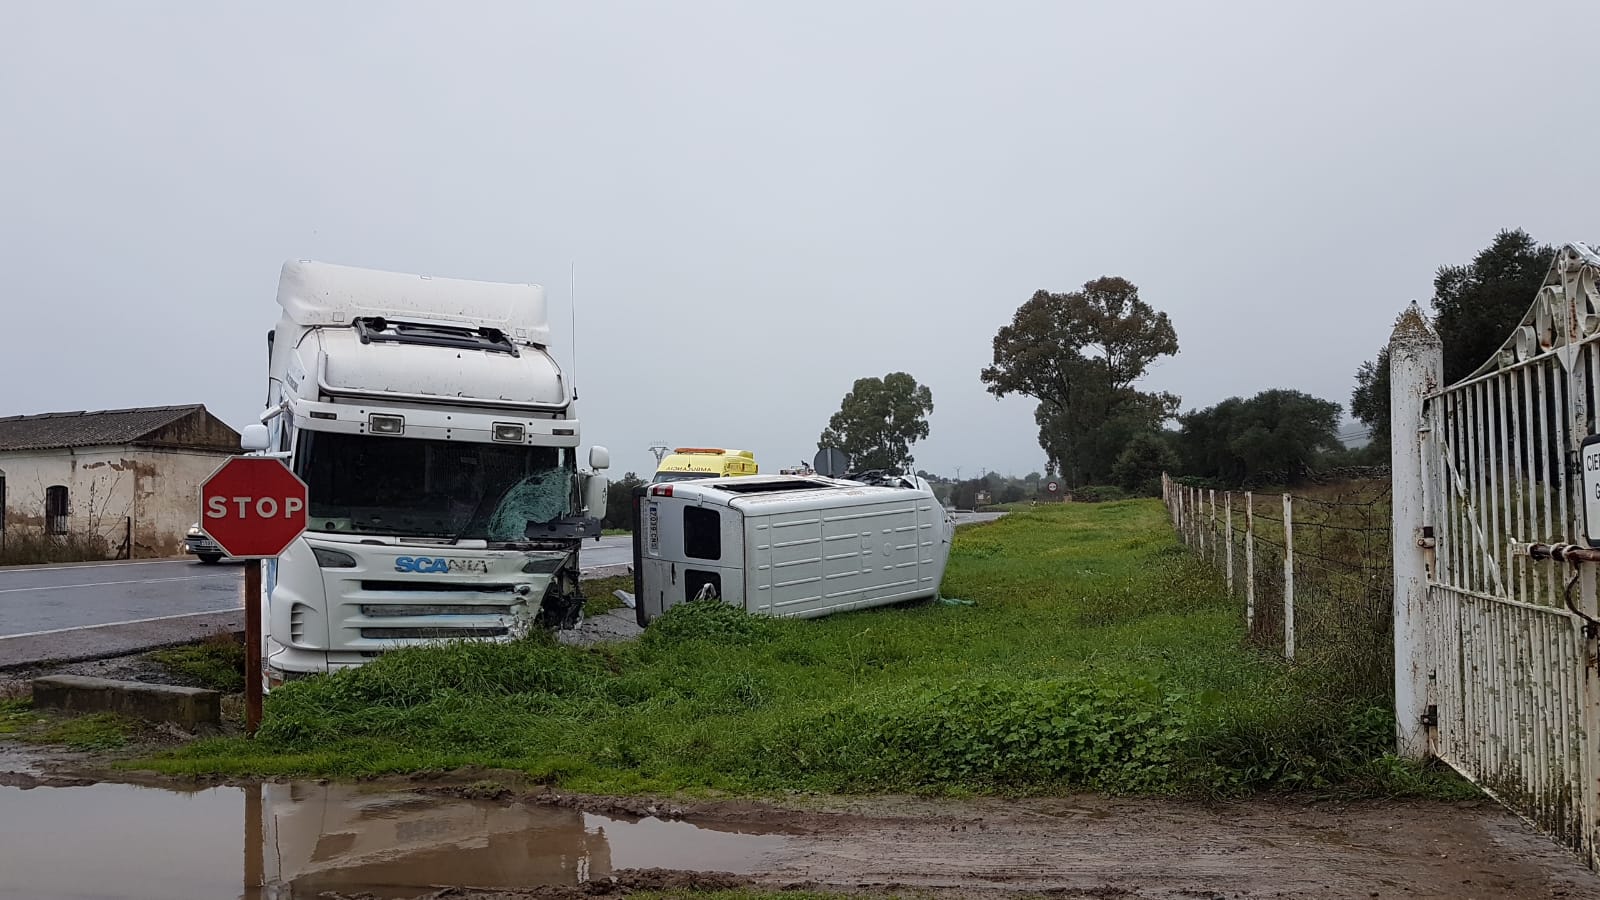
(702, 532)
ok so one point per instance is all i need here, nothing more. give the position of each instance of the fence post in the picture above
(1200, 520)
(1288, 577)
(1416, 363)
(1227, 523)
(1250, 562)
(1214, 533)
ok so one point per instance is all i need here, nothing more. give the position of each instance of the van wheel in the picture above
(210, 559)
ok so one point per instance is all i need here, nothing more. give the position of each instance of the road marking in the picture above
(7, 637)
(107, 564)
(68, 587)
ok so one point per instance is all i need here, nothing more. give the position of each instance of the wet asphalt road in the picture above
(61, 597)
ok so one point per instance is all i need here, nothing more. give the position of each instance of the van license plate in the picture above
(653, 531)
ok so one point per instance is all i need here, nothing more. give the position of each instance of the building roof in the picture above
(48, 431)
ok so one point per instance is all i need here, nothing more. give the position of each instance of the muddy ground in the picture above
(1080, 845)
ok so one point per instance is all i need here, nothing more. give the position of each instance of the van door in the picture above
(688, 551)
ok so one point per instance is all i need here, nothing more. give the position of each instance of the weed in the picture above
(216, 663)
(600, 595)
(96, 731)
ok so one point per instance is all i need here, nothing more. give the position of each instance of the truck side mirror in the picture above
(254, 437)
(594, 496)
(599, 458)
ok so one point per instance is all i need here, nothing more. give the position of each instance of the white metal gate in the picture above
(1497, 660)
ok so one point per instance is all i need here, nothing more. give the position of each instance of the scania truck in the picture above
(439, 441)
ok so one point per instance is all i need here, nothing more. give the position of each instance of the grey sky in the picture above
(764, 204)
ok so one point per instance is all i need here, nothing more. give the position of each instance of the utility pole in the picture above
(660, 451)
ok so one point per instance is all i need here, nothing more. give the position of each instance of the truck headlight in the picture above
(333, 559)
(509, 433)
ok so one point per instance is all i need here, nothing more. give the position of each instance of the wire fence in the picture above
(1314, 571)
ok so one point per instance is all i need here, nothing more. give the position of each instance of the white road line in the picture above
(110, 564)
(68, 587)
(7, 637)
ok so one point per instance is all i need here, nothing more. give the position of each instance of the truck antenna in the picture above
(572, 299)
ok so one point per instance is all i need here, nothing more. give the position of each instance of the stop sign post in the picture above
(253, 507)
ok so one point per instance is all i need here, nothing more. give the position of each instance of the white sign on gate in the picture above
(1589, 462)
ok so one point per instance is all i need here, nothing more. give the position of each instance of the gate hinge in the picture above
(1430, 719)
(1425, 538)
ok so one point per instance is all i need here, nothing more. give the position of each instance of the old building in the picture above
(120, 483)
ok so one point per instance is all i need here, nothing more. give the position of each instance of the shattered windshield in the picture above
(442, 489)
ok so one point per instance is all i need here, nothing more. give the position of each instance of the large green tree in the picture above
(1475, 306)
(1080, 354)
(879, 420)
(1276, 433)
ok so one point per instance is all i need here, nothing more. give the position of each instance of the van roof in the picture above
(755, 489)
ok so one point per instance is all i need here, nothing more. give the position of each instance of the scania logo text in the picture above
(439, 565)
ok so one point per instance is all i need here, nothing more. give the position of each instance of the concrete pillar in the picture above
(1416, 364)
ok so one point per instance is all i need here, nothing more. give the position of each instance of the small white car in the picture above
(197, 543)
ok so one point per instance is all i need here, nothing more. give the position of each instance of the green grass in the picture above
(1099, 655)
(600, 598)
(216, 663)
(19, 720)
(615, 532)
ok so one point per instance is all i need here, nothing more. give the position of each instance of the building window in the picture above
(55, 509)
(702, 533)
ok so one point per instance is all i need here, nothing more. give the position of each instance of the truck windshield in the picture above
(422, 488)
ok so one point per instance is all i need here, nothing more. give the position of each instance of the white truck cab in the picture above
(439, 441)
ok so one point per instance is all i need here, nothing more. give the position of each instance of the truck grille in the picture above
(391, 610)
(432, 633)
(442, 587)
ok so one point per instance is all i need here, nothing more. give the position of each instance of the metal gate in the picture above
(1497, 660)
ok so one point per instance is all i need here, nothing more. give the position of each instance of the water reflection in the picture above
(300, 839)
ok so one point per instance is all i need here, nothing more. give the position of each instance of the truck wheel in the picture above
(210, 559)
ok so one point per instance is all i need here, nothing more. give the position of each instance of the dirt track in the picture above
(1099, 847)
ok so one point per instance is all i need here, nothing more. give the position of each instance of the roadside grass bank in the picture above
(216, 663)
(95, 732)
(1098, 655)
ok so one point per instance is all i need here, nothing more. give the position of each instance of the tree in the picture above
(1475, 308)
(1080, 355)
(619, 502)
(1275, 434)
(1138, 468)
(879, 420)
(1369, 402)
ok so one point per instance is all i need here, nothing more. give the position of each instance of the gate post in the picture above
(1416, 364)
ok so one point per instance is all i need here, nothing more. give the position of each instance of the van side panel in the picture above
(797, 565)
(758, 562)
(894, 527)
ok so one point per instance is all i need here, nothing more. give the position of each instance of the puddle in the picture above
(283, 841)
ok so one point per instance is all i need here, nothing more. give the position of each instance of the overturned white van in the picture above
(788, 545)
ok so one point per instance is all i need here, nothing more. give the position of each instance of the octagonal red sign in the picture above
(253, 507)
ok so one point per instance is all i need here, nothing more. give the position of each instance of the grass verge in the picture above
(19, 720)
(1098, 656)
(216, 663)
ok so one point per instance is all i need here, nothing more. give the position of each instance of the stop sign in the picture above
(253, 507)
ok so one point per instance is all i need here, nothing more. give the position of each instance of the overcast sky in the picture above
(764, 204)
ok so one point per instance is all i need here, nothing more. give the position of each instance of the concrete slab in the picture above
(186, 706)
